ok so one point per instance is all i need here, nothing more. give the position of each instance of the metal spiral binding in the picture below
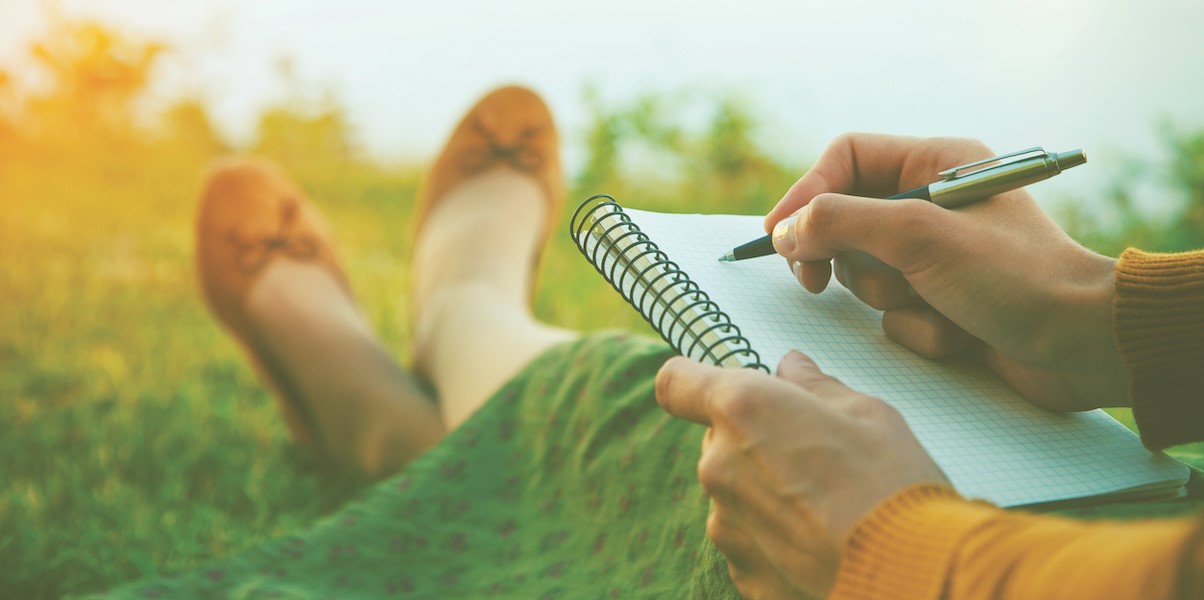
(618, 248)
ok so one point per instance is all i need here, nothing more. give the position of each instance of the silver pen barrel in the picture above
(989, 181)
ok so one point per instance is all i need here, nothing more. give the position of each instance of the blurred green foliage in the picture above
(133, 436)
(643, 153)
(1123, 217)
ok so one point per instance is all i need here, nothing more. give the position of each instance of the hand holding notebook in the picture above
(796, 444)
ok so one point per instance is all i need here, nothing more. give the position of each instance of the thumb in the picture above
(889, 230)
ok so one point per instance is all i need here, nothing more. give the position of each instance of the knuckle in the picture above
(929, 346)
(859, 407)
(919, 223)
(978, 147)
(743, 580)
(882, 289)
(714, 527)
(712, 473)
(889, 413)
(846, 141)
(913, 212)
(938, 343)
(821, 214)
(844, 273)
(814, 378)
(664, 379)
(810, 377)
(874, 290)
(870, 408)
(962, 148)
(905, 329)
(720, 533)
(735, 403)
(924, 331)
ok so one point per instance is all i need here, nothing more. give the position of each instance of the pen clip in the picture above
(955, 172)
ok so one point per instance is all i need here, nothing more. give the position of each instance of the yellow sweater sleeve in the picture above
(927, 543)
(1158, 315)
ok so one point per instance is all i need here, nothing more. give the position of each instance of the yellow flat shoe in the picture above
(512, 128)
(250, 215)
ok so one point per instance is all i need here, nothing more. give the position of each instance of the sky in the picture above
(1097, 74)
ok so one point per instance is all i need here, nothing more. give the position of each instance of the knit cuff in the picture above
(1158, 315)
(905, 546)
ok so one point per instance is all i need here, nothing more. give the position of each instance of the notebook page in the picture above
(990, 442)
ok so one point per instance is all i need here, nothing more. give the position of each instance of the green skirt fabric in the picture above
(569, 483)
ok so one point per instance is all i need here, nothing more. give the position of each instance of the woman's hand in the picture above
(791, 463)
(996, 278)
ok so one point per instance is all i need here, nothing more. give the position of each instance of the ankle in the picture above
(289, 294)
(384, 446)
(487, 229)
(453, 304)
(363, 410)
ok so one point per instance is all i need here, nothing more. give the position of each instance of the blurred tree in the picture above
(187, 127)
(96, 77)
(301, 133)
(736, 164)
(1187, 174)
(603, 137)
(1182, 226)
(8, 108)
(731, 151)
(644, 149)
(300, 138)
(6, 95)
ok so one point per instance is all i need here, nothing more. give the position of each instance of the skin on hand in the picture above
(791, 463)
(996, 279)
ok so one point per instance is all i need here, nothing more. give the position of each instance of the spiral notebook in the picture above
(991, 443)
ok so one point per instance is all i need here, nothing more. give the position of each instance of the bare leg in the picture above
(369, 413)
(474, 263)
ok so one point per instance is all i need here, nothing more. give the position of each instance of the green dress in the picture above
(569, 483)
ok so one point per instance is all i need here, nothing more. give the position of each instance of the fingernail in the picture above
(783, 235)
(796, 267)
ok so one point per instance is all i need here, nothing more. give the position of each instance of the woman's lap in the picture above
(569, 482)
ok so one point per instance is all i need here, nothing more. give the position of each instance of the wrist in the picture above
(1086, 351)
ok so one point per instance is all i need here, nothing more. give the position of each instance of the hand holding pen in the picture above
(995, 280)
(968, 183)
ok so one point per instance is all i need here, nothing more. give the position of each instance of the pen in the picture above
(962, 185)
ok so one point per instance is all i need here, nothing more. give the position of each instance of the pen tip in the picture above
(729, 257)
